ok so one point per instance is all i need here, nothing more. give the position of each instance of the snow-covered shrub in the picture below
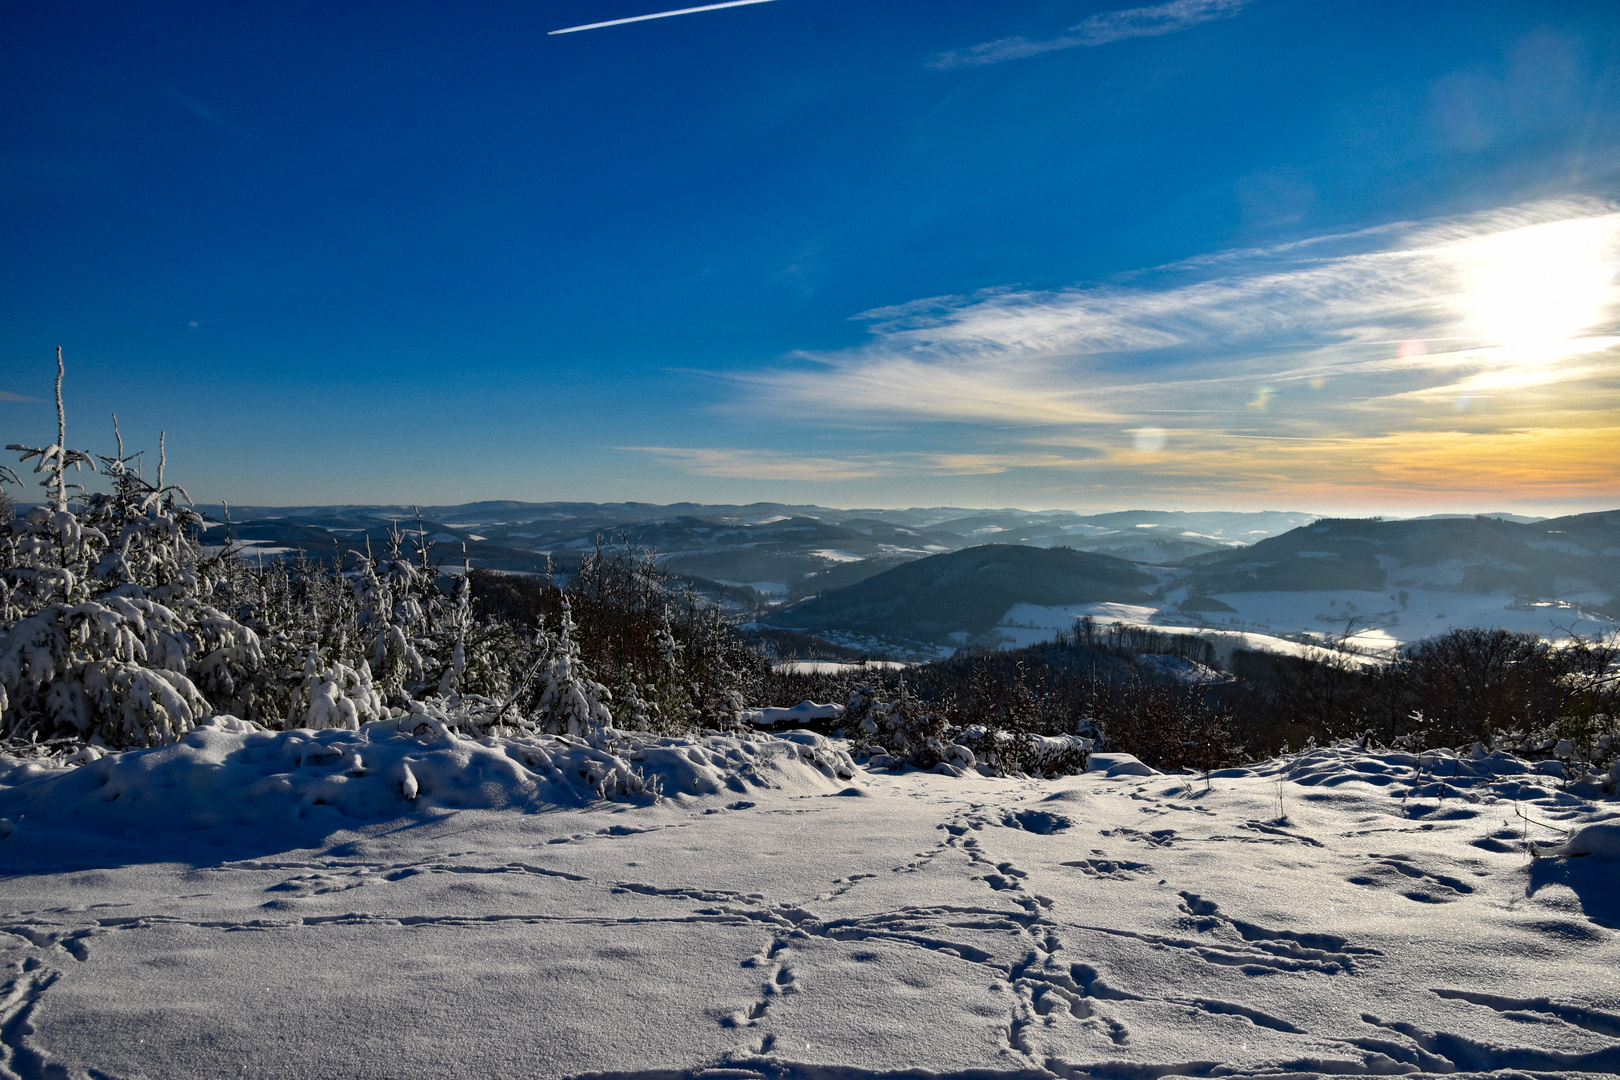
(334, 695)
(107, 639)
(113, 669)
(904, 731)
(117, 624)
(391, 615)
(669, 662)
(564, 697)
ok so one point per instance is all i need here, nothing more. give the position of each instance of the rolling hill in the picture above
(1573, 559)
(956, 599)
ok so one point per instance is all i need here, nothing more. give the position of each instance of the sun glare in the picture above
(1535, 290)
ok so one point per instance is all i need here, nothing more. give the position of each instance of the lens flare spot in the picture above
(1412, 350)
(1149, 440)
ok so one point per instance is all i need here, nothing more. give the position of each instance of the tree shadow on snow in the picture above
(1594, 881)
(44, 850)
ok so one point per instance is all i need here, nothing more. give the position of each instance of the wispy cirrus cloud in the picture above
(759, 464)
(6, 395)
(752, 464)
(1425, 310)
(1481, 339)
(1099, 29)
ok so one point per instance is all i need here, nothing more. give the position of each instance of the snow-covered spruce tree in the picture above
(722, 671)
(566, 698)
(463, 657)
(666, 690)
(469, 663)
(304, 615)
(102, 640)
(392, 615)
(319, 630)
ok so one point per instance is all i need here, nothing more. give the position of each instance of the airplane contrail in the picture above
(657, 15)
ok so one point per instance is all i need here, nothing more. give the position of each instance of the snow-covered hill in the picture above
(249, 904)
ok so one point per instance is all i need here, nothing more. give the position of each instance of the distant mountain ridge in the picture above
(760, 553)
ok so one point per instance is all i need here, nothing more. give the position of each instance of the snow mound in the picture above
(1600, 840)
(1457, 783)
(800, 714)
(1118, 765)
(228, 774)
(1349, 760)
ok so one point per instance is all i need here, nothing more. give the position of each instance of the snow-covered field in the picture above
(1374, 621)
(1400, 617)
(251, 904)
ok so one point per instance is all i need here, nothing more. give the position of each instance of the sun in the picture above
(1536, 289)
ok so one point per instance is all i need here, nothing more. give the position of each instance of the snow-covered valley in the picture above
(262, 904)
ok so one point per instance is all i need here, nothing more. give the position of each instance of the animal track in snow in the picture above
(1120, 869)
(18, 998)
(1258, 950)
(1422, 886)
(1043, 822)
(1156, 838)
(843, 885)
(341, 878)
(1443, 1051)
(1534, 1009)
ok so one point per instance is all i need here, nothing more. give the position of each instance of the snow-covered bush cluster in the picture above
(900, 730)
(121, 628)
(667, 660)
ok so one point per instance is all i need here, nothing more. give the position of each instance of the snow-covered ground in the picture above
(248, 904)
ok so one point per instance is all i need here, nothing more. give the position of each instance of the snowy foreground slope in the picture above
(255, 904)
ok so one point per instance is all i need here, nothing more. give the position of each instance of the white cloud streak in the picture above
(756, 464)
(1100, 29)
(1417, 364)
(656, 15)
(1224, 337)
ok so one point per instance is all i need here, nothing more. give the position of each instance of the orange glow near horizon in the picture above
(1416, 470)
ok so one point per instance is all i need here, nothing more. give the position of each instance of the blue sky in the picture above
(1207, 253)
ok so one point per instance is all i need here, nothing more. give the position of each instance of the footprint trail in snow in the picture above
(1134, 926)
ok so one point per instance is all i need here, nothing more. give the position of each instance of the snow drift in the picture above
(228, 776)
